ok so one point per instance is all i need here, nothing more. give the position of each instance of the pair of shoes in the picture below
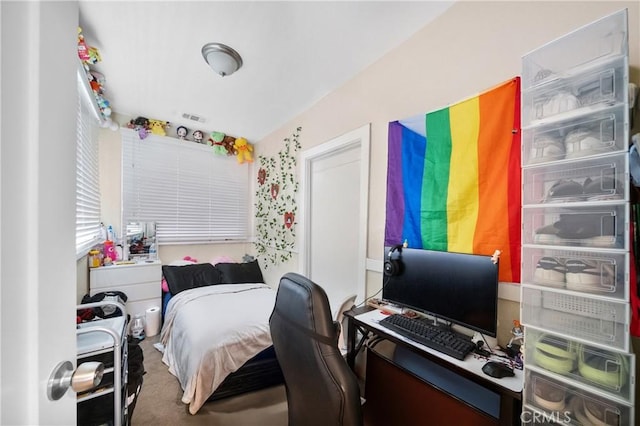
(583, 275)
(590, 229)
(601, 188)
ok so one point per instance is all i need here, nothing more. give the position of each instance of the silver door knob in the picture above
(87, 376)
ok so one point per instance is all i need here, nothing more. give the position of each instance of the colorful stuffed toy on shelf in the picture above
(215, 140)
(244, 149)
(228, 143)
(158, 127)
(198, 136)
(140, 125)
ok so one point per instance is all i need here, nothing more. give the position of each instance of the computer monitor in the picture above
(455, 287)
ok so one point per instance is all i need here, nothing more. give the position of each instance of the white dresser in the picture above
(141, 282)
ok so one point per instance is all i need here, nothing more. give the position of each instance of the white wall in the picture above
(473, 46)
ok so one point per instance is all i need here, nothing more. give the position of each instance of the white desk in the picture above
(412, 381)
(472, 363)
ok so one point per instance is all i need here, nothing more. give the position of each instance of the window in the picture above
(193, 195)
(87, 170)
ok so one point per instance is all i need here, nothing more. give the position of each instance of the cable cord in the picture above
(384, 283)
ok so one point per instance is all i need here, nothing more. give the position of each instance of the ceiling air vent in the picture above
(193, 118)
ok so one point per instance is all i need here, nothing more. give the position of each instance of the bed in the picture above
(216, 331)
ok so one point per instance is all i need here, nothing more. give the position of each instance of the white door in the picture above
(335, 179)
(37, 207)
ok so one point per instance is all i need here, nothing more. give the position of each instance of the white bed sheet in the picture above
(210, 332)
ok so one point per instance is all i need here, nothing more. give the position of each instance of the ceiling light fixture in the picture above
(221, 58)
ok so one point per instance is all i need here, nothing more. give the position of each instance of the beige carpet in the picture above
(159, 401)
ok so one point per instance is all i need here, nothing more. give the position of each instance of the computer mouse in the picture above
(497, 369)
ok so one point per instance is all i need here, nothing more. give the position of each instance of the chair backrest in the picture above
(321, 388)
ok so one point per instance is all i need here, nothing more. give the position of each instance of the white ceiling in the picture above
(294, 53)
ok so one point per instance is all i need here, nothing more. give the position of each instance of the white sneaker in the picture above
(546, 148)
(589, 275)
(581, 142)
(549, 272)
(560, 102)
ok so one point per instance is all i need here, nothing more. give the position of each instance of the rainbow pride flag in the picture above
(453, 179)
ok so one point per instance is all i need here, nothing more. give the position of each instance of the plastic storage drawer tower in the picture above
(579, 368)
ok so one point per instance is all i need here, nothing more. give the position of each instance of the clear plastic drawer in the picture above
(604, 273)
(610, 371)
(578, 95)
(601, 321)
(602, 132)
(597, 41)
(602, 178)
(594, 226)
(549, 401)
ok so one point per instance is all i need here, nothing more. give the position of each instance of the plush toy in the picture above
(96, 81)
(244, 149)
(182, 132)
(83, 49)
(198, 136)
(215, 140)
(228, 142)
(158, 127)
(140, 125)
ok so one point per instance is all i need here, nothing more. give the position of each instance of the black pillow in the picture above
(180, 278)
(238, 273)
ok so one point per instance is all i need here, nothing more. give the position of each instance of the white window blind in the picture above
(193, 195)
(87, 171)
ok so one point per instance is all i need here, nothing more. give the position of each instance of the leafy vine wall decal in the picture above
(275, 204)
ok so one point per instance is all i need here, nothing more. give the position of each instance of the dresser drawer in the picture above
(107, 277)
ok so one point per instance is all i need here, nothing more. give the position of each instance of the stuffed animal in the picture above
(182, 132)
(215, 140)
(157, 127)
(197, 136)
(228, 142)
(244, 149)
(140, 125)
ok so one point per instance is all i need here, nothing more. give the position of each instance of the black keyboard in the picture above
(425, 332)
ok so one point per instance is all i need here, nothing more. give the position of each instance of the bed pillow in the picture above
(180, 278)
(238, 273)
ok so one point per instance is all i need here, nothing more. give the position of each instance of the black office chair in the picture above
(321, 388)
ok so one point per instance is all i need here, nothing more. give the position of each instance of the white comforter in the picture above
(210, 332)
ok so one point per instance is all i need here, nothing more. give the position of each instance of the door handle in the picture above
(87, 376)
